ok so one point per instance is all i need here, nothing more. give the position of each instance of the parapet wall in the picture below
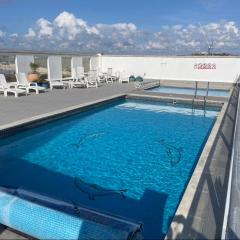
(212, 69)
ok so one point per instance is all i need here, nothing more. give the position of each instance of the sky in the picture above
(124, 26)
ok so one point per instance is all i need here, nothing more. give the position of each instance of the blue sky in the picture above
(17, 15)
(150, 17)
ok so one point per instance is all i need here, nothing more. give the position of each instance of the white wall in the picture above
(175, 68)
(22, 63)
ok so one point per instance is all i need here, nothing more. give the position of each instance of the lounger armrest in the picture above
(67, 78)
(54, 80)
(21, 85)
(13, 86)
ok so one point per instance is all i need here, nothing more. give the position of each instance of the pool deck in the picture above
(25, 107)
(204, 214)
(15, 109)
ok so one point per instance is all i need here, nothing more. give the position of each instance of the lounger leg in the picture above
(16, 95)
(37, 92)
(5, 93)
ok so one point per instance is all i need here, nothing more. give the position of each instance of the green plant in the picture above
(34, 67)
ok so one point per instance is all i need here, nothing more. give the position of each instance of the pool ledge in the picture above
(188, 223)
(175, 99)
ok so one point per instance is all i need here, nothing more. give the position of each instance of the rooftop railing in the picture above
(231, 224)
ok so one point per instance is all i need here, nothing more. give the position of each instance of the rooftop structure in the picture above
(207, 207)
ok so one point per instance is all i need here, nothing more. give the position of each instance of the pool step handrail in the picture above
(207, 89)
(195, 94)
(204, 104)
(205, 97)
(196, 88)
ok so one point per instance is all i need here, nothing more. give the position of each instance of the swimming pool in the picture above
(131, 159)
(191, 91)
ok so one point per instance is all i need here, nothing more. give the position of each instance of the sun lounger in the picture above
(92, 79)
(78, 77)
(124, 77)
(10, 87)
(24, 84)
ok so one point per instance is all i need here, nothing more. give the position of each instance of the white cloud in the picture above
(231, 28)
(67, 24)
(31, 33)
(45, 27)
(155, 45)
(2, 34)
(71, 33)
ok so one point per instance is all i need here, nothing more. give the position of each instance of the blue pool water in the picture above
(191, 91)
(146, 149)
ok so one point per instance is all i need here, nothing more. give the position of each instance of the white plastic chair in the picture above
(24, 84)
(10, 87)
(124, 77)
(117, 75)
(55, 73)
(112, 77)
(78, 77)
(92, 79)
(141, 84)
(102, 77)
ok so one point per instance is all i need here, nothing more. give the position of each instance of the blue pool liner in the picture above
(47, 218)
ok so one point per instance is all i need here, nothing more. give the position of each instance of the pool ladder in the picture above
(195, 94)
(204, 98)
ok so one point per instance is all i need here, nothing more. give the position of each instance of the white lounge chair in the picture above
(117, 75)
(55, 73)
(102, 77)
(92, 79)
(78, 77)
(124, 77)
(58, 83)
(10, 87)
(24, 84)
(111, 77)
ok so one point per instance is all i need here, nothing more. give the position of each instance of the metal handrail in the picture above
(195, 94)
(205, 97)
(205, 103)
(230, 179)
(207, 89)
(196, 88)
